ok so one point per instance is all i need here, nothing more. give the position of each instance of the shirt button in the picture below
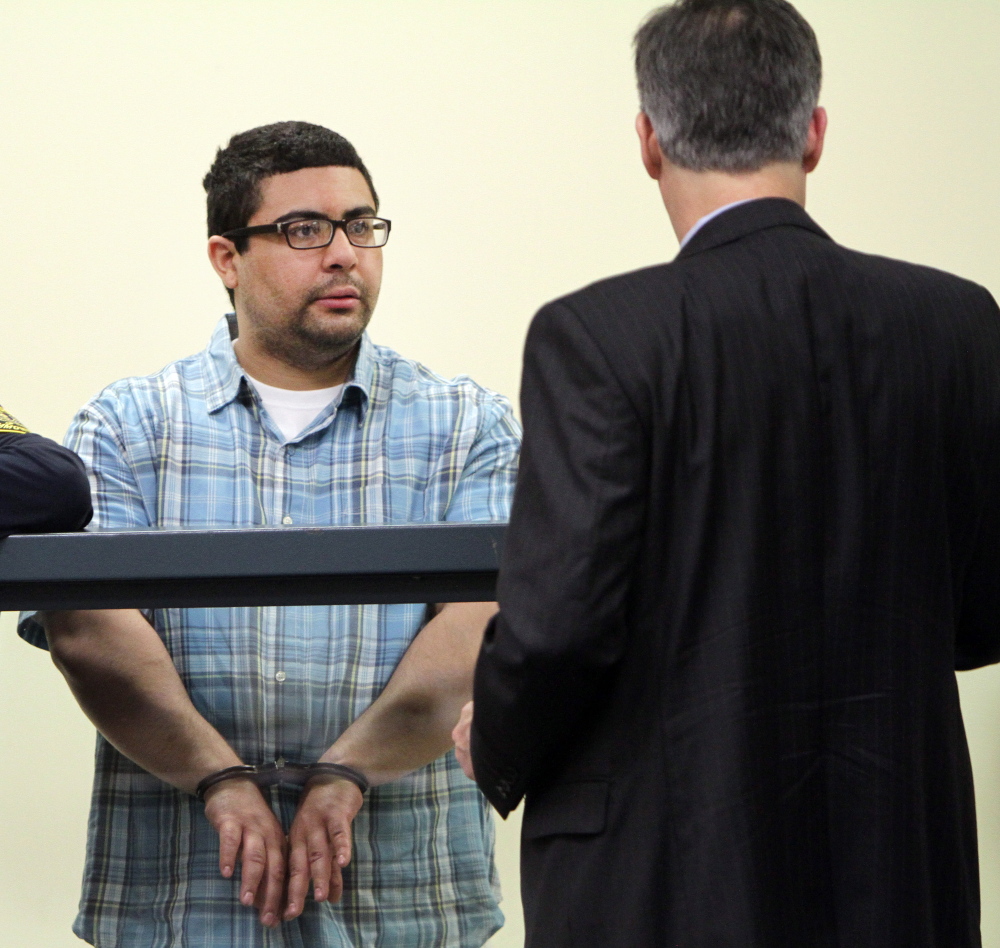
(280, 676)
(286, 519)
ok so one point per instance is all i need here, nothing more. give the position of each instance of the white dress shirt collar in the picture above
(712, 215)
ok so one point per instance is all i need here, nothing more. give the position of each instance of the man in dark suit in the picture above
(756, 530)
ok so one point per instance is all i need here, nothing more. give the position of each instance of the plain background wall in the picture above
(500, 138)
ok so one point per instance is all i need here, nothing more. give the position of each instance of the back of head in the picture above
(233, 182)
(729, 85)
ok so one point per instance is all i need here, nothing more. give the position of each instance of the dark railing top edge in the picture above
(454, 527)
(226, 552)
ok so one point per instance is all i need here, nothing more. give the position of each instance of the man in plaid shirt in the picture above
(290, 416)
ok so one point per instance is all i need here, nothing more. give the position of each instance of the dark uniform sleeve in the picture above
(43, 487)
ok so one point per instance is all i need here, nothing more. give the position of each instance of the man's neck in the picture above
(691, 195)
(271, 370)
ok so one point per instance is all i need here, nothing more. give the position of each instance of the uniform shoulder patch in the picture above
(9, 423)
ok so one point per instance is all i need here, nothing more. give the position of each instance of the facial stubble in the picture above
(308, 342)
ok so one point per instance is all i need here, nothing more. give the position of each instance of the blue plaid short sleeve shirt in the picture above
(193, 447)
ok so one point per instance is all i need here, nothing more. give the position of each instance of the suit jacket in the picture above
(755, 532)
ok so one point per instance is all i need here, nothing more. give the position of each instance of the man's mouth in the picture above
(343, 297)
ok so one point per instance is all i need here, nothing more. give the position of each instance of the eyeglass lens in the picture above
(360, 231)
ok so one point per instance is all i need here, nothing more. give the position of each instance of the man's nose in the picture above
(340, 253)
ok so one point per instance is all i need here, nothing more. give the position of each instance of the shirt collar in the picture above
(711, 216)
(751, 218)
(225, 378)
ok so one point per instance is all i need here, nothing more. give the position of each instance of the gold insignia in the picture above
(9, 423)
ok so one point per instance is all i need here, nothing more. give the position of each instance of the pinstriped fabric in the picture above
(762, 486)
(192, 447)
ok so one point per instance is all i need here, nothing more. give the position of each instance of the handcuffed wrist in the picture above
(279, 772)
(324, 769)
(227, 773)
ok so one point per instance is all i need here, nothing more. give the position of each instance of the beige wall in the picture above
(499, 135)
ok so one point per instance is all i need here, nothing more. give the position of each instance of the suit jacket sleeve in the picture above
(568, 558)
(977, 639)
(43, 487)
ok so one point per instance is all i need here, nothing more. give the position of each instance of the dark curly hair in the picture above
(233, 182)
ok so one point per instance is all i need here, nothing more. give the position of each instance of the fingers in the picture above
(320, 843)
(230, 838)
(311, 857)
(461, 732)
(250, 834)
(321, 864)
(318, 852)
(262, 879)
(342, 845)
(298, 876)
(254, 863)
(465, 760)
(340, 801)
(462, 736)
(271, 893)
(341, 857)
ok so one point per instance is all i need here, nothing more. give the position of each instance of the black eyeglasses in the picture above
(310, 234)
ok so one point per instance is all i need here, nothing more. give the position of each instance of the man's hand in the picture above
(462, 736)
(249, 831)
(320, 841)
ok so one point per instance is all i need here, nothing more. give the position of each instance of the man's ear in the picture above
(223, 254)
(815, 139)
(649, 146)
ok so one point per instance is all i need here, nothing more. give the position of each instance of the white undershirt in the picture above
(293, 411)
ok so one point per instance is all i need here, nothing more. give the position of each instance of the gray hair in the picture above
(729, 85)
